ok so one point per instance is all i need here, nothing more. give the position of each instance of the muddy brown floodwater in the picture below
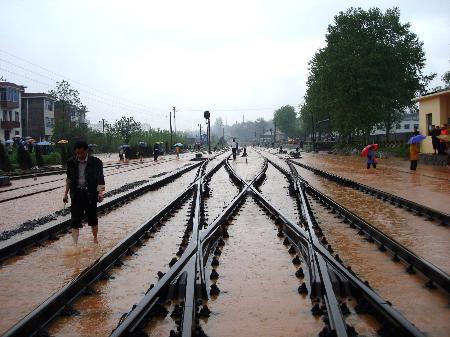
(427, 309)
(100, 313)
(278, 193)
(15, 212)
(258, 285)
(429, 185)
(425, 238)
(247, 167)
(223, 191)
(28, 280)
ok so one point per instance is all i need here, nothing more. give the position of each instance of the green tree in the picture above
(368, 72)
(125, 128)
(285, 119)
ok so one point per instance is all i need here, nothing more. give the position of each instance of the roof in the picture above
(36, 95)
(440, 92)
(11, 85)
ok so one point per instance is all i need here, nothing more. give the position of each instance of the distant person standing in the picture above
(177, 151)
(155, 152)
(442, 143)
(414, 155)
(434, 132)
(234, 147)
(371, 158)
(86, 184)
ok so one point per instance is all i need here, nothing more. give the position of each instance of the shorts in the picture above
(84, 203)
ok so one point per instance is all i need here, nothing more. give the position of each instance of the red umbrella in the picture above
(366, 149)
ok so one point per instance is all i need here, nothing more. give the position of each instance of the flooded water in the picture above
(223, 191)
(258, 287)
(247, 167)
(18, 211)
(429, 185)
(427, 309)
(278, 193)
(100, 313)
(425, 238)
(54, 265)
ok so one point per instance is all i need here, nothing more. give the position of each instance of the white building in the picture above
(10, 107)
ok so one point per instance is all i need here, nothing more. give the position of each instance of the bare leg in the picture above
(94, 233)
(75, 234)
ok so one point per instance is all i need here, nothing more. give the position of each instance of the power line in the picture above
(77, 82)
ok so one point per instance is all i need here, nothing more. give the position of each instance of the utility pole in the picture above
(223, 137)
(200, 134)
(174, 123)
(103, 125)
(170, 124)
(275, 131)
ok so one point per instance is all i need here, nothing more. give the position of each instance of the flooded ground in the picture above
(247, 167)
(258, 287)
(100, 313)
(54, 265)
(18, 211)
(429, 185)
(425, 238)
(278, 194)
(223, 191)
(406, 292)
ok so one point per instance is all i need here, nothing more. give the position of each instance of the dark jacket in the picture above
(94, 174)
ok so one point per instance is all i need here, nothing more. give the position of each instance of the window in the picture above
(49, 105)
(4, 115)
(416, 126)
(16, 116)
(398, 126)
(3, 94)
(49, 122)
(17, 133)
(406, 126)
(10, 115)
(429, 121)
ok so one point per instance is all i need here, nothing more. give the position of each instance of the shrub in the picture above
(5, 164)
(38, 154)
(53, 158)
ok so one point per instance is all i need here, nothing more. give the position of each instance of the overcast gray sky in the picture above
(141, 58)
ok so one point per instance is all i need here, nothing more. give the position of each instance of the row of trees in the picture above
(365, 76)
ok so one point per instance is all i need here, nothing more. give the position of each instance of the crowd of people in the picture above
(439, 145)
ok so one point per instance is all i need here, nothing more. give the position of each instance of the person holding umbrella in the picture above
(414, 150)
(369, 152)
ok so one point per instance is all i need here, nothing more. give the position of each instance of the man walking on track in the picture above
(86, 184)
(234, 146)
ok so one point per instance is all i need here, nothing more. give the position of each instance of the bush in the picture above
(5, 164)
(24, 158)
(53, 158)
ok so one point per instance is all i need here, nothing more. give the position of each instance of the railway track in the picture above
(17, 245)
(418, 209)
(117, 170)
(189, 288)
(430, 274)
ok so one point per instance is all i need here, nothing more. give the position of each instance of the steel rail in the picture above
(191, 263)
(386, 313)
(61, 186)
(419, 209)
(426, 268)
(317, 265)
(35, 321)
(31, 324)
(17, 244)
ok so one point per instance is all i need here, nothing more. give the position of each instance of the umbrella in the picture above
(365, 151)
(9, 141)
(416, 139)
(445, 138)
(178, 144)
(142, 143)
(92, 145)
(43, 143)
(63, 141)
